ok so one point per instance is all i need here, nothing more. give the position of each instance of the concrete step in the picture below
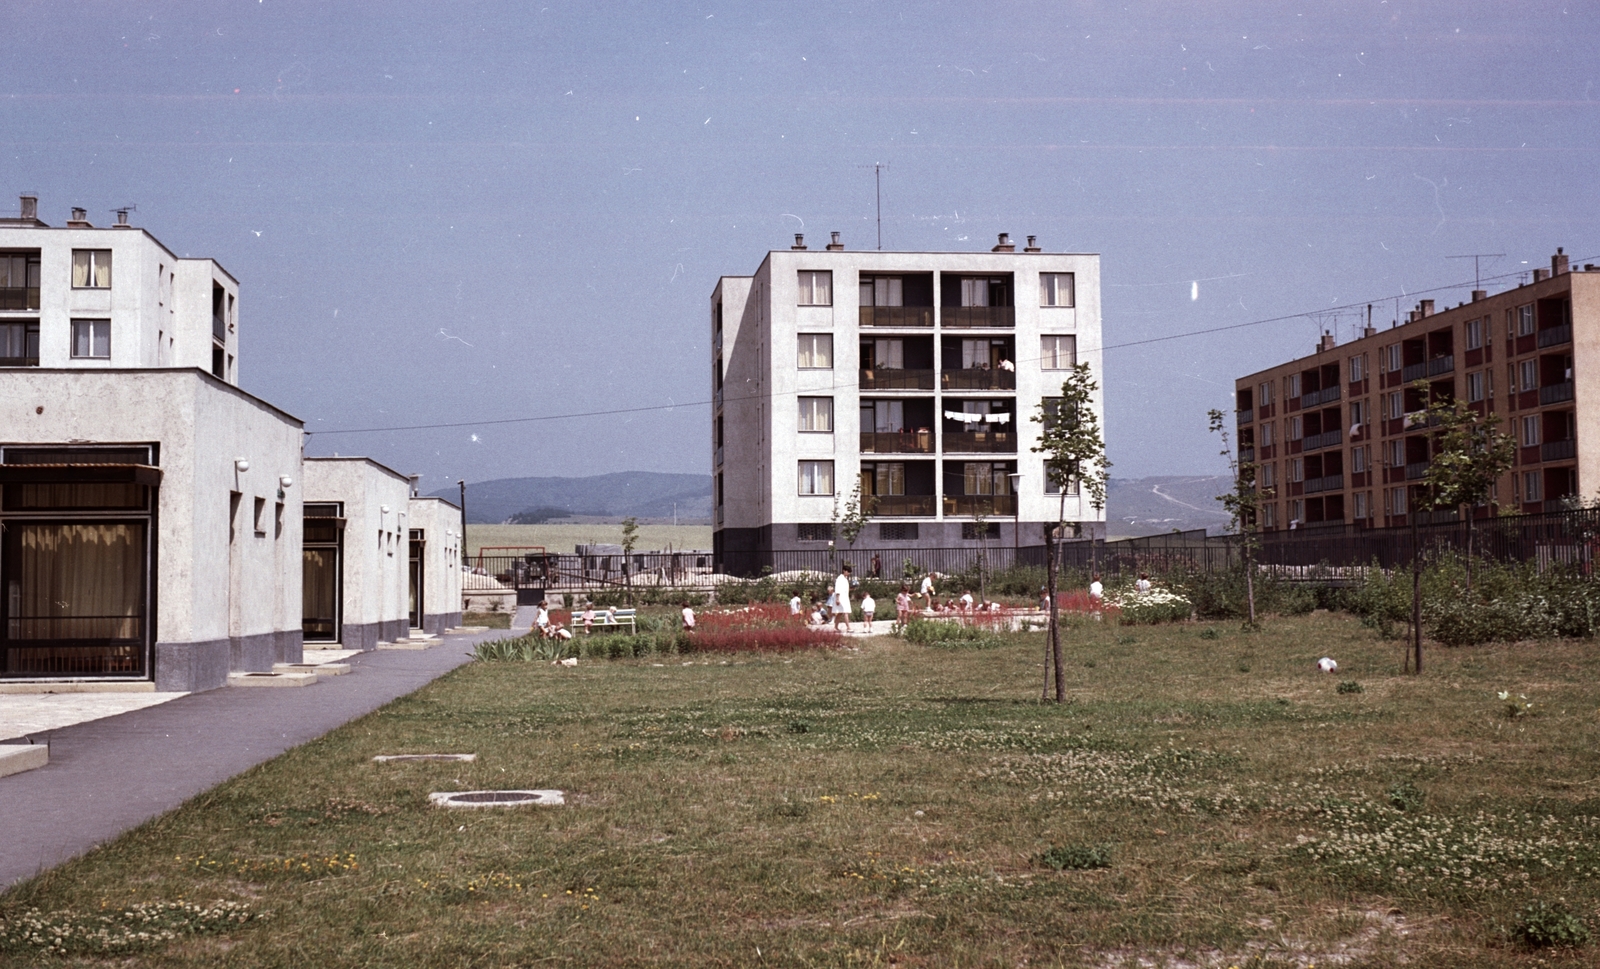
(272, 679)
(87, 686)
(16, 758)
(321, 669)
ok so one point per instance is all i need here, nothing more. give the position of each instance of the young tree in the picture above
(630, 537)
(1243, 504)
(980, 521)
(1075, 452)
(858, 509)
(1470, 455)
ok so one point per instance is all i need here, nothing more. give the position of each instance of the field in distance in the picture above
(561, 537)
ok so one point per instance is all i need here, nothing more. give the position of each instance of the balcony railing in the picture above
(987, 505)
(717, 461)
(979, 380)
(1316, 397)
(1439, 365)
(904, 442)
(219, 329)
(903, 506)
(1555, 393)
(716, 398)
(1243, 416)
(980, 442)
(1416, 470)
(978, 316)
(1555, 336)
(1247, 454)
(885, 379)
(19, 298)
(1415, 371)
(1558, 450)
(896, 316)
(1328, 482)
(1325, 439)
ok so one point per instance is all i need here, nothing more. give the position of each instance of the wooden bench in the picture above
(606, 620)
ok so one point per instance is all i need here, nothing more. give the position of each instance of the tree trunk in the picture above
(1416, 595)
(1249, 582)
(1055, 626)
(1050, 591)
(1469, 551)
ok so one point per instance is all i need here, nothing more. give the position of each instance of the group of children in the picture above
(550, 629)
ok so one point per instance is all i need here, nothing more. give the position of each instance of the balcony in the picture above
(1326, 439)
(1555, 336)
(1439, 365)
(1317, 397)
(717, 460)
(1416, 470)
(903, 506)
(885, 379)
(1242, 417)
(978, 380)
(716, 398)
(219, 329)
(1331, 482)
(974, 317)
(1555, 393)
(1558, 450)
(980, 442)
(1247, 455)
(19, 297)
(896, 316)
(905, 442)
(990, 506)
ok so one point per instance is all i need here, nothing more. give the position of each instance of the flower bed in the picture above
(1149, 608)
(764, 627)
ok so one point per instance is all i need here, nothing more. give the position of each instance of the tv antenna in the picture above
(1475, 256)
(877, 177)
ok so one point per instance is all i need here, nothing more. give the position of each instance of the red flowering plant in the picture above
(764, 627)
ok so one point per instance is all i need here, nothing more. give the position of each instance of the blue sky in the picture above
(453, 212)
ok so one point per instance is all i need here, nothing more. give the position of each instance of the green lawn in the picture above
(893, 806)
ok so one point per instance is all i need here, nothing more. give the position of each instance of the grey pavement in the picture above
(109, 775)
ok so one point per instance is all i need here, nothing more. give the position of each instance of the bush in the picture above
(948, 634)
(1149, 608)
(1076, 857)
(1507, 602)
(1223, 594)
(1541, 926)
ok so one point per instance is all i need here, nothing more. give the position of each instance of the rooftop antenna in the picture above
(877, 177)
(1475, 256)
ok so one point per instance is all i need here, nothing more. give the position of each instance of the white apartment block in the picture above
(915, 374)
(151, 519)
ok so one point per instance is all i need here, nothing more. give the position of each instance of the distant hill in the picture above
(1151, 506)
(643, 494)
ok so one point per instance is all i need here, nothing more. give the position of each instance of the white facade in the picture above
(938, 363)
(435, 528)
(373, 502)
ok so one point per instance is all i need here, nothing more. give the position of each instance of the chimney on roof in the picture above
(835, 245)
(1426, 307)
(799, 242)
(1558, 262)
(80, 219)
(1033, 245)
(1478, 294)
(1328, 342)
(122, 217)
(1005, 244)
(30, 207)
(1540, 275)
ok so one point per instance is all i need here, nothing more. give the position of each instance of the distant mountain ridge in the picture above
(644, 494)
(1152, 506)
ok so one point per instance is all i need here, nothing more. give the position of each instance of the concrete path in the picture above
(111, 774)
(523, 620)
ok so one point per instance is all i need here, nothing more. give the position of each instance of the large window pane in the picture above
(816, 351)
(816, 414)
(75, 581)
(319, 586)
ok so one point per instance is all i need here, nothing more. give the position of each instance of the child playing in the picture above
(588, 619)
(868, 607)
(902, 605)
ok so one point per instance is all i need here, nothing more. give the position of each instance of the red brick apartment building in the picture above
(1334, 434)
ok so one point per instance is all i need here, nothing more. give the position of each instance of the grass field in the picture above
(561, 538)
(1209, 800)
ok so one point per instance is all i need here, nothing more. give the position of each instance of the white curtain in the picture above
(81, 581)
(974, 292)
(889, 354)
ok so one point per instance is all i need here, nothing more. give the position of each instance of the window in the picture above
(19, 280)
(1358, 463)
(975, 292)
(1532, 486)
(91, 339)
(19, 344)
(1265, 393)
(261, 516)
(91, 268)
(1530, 375)
(1474, 386)
(816, 477)
(1360, 413)
(1362, 501)
(1291, 386)
(1530, 430)
(816, 351)
(972, 531)
(898, 531)
(1269, 516)
(1295, 425)
(1297, 469)
(1264, 434)
(1267, 477)
(815, 532)
(1052, 487)
(1358, 368)
(1525, 320)
(816, 414)
(885, 478)
(1394, 405)
(816, 288)
(1389, 358)
(1055, 289)
(1297, 511)
(1057, 352)
(1474, 334)
(1399, 503)
(984, 478)
(885, 354)
(883, 416)
(217, 355)
(882, 291)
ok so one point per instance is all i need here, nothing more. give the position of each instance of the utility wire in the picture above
(846, 386)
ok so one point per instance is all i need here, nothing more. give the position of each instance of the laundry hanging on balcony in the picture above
(966, 418)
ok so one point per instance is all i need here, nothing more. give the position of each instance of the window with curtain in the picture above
(816, 414)
(1530, 374)
(75, 581)
(1055, 289)
(816, 288)
(889, 354)
(882, 291)
(816, 351)
(1525, 321)
(91, 268)
(1058, 352)
(884, 478)
(883, 416)
(816, 477)
(91, 339)
(974, 292)
(985, 478)
(19, 344)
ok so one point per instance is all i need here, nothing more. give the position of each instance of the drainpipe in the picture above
(463, 484)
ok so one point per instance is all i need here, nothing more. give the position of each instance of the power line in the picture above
(847, 386)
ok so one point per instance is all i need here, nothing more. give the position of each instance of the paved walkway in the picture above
(111, 774)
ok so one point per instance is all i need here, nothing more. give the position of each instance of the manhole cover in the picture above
(386, 758)
(471, 799)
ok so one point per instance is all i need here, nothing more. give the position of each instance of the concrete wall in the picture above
(440, 522)
(376, 553)
(223, 603)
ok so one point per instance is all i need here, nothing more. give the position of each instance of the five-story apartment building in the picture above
(913, 374)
